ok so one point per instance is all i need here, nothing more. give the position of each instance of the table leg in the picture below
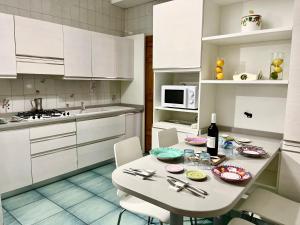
(218, 220)
(176, 219)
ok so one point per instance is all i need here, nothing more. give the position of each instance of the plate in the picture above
(174, 168)
(197, 141)
(166, 154)
(231, 174)
(197, 175)
(252, 151)
(243, 140)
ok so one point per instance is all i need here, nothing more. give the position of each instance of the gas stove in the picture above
(42, 114)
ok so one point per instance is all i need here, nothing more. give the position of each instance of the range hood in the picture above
(129, 3)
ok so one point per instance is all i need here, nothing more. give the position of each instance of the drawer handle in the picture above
(50, 152)
(53, 137)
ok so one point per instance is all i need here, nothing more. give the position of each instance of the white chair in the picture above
(272, 207)
(167, 138)
(238, 221)
(125, 152)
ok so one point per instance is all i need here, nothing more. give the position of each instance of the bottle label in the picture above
(211, 142)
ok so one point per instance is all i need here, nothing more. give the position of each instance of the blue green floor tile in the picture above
(62, 218)
(106, 170)
(111, 196)
(82, 178)
(92, 209)
(70, 197)
(55, 188)
(35, 212)
(9, 220)
(127, 219)
(21, 200)
(97, 184)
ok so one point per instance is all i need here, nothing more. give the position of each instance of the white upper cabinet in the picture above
(78, 52)
(38, 38)
(7, 46)
(103, 55)
(292, 120)
(177, 34)
(124, 57)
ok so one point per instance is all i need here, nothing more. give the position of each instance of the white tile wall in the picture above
(56, 93)
(96, 15)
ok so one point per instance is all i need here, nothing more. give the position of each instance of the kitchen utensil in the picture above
(252, 151)
(251, 22)
(196, 141)
(174, 168)
(144, 175)
(196, 175)
(201, 191)
(37, 104)
(231, 174)
(180, 186)
(166, 154)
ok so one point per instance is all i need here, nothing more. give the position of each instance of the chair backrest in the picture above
(127, 151)
(168, 137)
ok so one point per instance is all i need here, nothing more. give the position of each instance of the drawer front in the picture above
(52, 144)
(93, 130)
(52, 130)
(52, 165)
(97, 152)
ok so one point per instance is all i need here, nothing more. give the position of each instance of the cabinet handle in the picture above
(50, 152)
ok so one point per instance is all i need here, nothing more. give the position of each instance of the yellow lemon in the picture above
(277, 69)
(277, 62)
(220, 76)
(220, 62)
(219, 69)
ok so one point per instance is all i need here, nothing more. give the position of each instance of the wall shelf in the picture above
(257, 82)
(275, 34)
(176, 109)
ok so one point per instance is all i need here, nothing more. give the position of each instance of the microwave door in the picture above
(175, 98)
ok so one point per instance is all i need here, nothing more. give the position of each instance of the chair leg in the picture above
(120, 216)
(161, 223)
(196, 221)
(149, 220)
(191, 220)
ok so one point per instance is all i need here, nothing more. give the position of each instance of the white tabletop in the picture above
(222, 196)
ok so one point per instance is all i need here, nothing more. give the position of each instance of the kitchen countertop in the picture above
(119, 110)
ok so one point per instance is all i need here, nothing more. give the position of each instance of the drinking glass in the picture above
(276, 68)
(188, 153)
(204, 162)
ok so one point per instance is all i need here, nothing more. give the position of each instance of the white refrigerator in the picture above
(289, 176)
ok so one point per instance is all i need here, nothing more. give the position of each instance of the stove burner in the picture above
(43, 114)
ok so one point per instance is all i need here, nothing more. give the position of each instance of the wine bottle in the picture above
(213, 137)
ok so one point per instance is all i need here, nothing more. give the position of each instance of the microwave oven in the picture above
(179, 96)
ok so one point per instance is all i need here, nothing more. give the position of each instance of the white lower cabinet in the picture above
(48, 166)
(134, 125)
(96, 152)
(15, 166)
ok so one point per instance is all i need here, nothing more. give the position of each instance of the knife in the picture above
(188, 185)
(181, 187)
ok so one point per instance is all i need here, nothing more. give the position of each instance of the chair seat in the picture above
(272, 207)
(238, 221)
(140, 206)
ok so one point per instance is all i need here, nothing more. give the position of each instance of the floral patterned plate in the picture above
(196, 141)
(231, 174)
(252, 151)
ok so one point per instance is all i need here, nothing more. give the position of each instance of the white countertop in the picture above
(222, 196)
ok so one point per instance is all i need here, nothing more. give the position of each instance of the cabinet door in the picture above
(78, 52)
(15, 163)
(177, 34)
(292, 120)
(7, 46)
(134, 125)
(96, 152)
(38, 38)
(103, 56)
(124, 57)
(289, 177)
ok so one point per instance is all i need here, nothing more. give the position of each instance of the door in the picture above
(148, 92)
(124, 57)
(103, 55)
(7, 46)
(292, 121)
(78, 53)
(177, 32)
(38, 38)
(15, 157)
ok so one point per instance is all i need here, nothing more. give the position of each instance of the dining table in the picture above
(222, 196)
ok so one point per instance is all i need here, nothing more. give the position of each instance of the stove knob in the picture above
(33, 117)
(39, 116)
(64, 114)
(68, 113)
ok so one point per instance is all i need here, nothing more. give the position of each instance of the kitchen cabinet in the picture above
(100, 129)
(78, 53)
(15, 163)
(177, 34)
(103, 56)
(7, 46)
(124, 57)
(53, 164)
(134, 125)
(96, 152)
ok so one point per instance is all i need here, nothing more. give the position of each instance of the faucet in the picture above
(82, 106)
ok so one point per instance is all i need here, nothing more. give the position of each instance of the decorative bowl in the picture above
(166, 154)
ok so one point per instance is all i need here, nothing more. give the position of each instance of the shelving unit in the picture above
(176, 110)
(257, 82)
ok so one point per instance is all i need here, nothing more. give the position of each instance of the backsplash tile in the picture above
(56, 93)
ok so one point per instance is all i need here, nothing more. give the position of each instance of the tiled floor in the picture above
(87, 198)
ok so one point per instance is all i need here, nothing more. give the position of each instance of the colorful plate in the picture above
(197, 141)
(175, 168)
(243, 140)
(166, 154)
(252, 151)
(197, 175)
(231, 174)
